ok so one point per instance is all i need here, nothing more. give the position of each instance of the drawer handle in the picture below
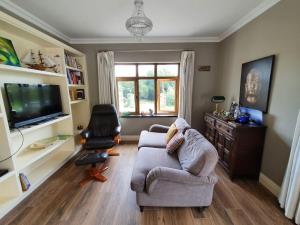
(228, 131)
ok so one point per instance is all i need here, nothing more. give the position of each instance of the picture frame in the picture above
(80, 95)
(8, 55)
(255, 85)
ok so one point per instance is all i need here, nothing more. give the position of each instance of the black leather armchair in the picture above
(100, 136)
(103, 129)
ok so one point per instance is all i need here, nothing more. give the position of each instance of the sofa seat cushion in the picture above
(146, 160)
(197, 155)
(152, 139)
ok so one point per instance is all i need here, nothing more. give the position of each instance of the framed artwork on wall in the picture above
(256, 82)
(8, 55)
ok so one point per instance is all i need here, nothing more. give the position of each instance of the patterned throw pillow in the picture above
(175, 142)
(171, 132)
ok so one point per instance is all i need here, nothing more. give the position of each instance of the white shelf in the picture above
(75, 69)
(7, 175)
(29, 156)
(29, 71)
(36, 127)
(1, 115)
(77, 101)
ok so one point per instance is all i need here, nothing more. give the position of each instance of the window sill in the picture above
(147, 116)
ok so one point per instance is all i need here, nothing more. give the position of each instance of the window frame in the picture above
(157, 80)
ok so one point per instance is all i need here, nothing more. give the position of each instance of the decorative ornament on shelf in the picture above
(138, 24)
(39, 62)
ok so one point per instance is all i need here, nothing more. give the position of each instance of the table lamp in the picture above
(217, 100)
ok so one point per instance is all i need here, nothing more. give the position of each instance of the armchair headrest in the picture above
(104, 109)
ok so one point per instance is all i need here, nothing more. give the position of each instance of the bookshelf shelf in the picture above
(73, 68)
(77, 85)
(77, 101)
(29, 156)
(28, 71)
(36, 127)
(6, 176)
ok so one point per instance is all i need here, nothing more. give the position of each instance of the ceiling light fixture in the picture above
(139, 25)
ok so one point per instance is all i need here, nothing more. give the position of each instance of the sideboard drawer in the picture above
(225, 128)
(209, 120)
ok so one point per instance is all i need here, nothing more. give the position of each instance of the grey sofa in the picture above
(182, 179)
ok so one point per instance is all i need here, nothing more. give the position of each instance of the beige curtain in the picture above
(106, 78)
(290, 190)
(187, 67)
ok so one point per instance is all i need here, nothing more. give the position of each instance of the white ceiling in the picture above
(87, 20)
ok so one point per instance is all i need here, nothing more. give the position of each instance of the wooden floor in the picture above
(60, 201)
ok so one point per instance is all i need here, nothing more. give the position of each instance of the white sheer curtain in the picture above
(106, 78)
(290, 190)
(187, 69)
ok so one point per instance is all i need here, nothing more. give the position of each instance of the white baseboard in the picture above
(130, 137)
(269, 184)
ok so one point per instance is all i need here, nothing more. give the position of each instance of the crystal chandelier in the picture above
(139, 25)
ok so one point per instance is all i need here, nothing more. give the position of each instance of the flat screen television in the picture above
(30, 104)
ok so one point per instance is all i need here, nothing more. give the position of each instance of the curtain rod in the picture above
(150, 50)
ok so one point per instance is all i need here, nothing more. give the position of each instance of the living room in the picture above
(201, 100)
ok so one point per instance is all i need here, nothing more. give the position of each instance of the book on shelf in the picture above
(75, 77)
(72, 61)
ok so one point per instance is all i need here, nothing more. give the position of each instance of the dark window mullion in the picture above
(155, 88)
(137, 99)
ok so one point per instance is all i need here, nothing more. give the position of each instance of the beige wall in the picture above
(204, 85)
(277, 32)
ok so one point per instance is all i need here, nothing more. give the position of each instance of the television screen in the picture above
(30, 104)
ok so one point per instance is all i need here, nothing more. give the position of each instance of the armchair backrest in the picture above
(104, 120)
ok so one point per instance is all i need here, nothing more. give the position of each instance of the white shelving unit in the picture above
(37, 165)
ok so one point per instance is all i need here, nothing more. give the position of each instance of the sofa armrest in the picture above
(176, 176)
(159, 128)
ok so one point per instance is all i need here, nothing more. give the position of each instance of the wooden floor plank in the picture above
(60, 201)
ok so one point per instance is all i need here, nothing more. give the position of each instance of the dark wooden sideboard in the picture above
(240, 147)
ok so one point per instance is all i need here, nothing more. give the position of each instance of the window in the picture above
(143, 87)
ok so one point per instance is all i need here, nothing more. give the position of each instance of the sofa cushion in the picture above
(197, 155)
(181, 124)
(171, 132)
(152, 139)
(175, 143)
(147, 159)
